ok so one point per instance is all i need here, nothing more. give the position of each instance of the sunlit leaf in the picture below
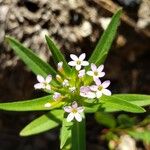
(46, 122)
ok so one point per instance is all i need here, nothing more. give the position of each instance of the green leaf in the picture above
(29, 105)
(78, 135)
(106, 119)
(137, 99)
(65, 133)
(111, 104)
(37, 65)
(100, 52)
(46, 122)
(57, 55)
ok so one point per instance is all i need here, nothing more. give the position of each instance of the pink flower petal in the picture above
(80, 109)
(100, 68)
(82, 57)
(90, 73)
(70, 117)
(78, 117)
(84, 63)
(106, 92)
(48, 87)
(74, 57)
(48, 78)
(68, 109)
(97, 81)
(98, 94)
(74, 105)
(72, 63)
(102, 74)
(93, 67)
(39, 86)
(106, 83)
(40, 78)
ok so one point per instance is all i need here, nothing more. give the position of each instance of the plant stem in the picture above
(78, 135)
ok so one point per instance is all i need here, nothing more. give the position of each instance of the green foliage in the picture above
(37, 65)
(27, 105)
(106, 119)
(46, 122)
(111, 104)
(65, 134)
(57, 55)
(102, 48)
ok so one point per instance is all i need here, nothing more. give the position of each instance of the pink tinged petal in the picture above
(93, 88)
(100, 68)
(68, 109)
(81, 73)
(82, 57)
(72, 63)
(70, 117)
(78, 117)
(39, 86)
(48, 87)
(93, 67)
(74, 57)
(78, 67)
(84, 63)
(80, 109)
(106, 92)
(102, 74)
(90, 73)
(40, 78)
(105, 84)
(91, 95)
(97, 81)
(56, 95)
(48, 79)
(98, 94)
(74, 105)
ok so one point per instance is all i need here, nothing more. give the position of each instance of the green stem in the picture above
(78, 135)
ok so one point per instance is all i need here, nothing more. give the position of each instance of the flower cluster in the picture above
(73, 89)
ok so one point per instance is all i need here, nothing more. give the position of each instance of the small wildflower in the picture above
(74, 112)
(56, 96)
(47, 105)
(85, 91)
(78, 62)
(43, 83)
(60, 66)
(100, 88)
(65, 83)
(96, 72)
(72, 89)
(81, 73)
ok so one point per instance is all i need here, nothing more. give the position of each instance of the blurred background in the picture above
(76, 26)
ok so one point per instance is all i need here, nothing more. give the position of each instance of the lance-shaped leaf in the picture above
(30, 105)
(137, 99)
(57, 55)
(65, 133)
(37, 65)
(100, 52)
(110, 104)
(46, 122)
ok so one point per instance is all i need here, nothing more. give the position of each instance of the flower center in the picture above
(78, 62)
(100, 88)
(96, 73)
(74, 110)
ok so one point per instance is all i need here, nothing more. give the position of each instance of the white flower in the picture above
(100, 88)
(43, 82)
(96, 72)
(56, 96)
(47, 105)
(85, 91)
(60, 66)
(81, 73)
(78, 62)
(65, 83)
(74, 112)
